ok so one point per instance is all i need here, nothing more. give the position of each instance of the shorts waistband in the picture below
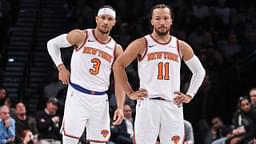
(84, 90)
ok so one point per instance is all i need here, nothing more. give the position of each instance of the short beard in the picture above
(162, 33)
(104, 32)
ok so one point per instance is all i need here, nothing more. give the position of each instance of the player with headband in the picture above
(87, 103)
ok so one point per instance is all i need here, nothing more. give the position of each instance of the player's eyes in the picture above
(110, 18)
(103, 17)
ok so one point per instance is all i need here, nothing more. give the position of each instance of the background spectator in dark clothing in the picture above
(124, 131)
(3, 96)
(48, 123)
(215, 132)
(244, 121)
(252, 94)
(23, 122)
(218, 129)
(28, 137)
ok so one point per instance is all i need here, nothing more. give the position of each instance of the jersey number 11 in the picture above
(163, 71)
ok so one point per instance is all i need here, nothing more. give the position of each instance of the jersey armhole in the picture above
(114, 51)
(178, 48)
(141, 57)
(85, 39)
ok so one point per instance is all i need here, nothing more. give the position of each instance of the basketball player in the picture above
(159, 100)
(87, 102)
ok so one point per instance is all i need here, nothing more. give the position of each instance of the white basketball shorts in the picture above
(158, 118)
(86, 110)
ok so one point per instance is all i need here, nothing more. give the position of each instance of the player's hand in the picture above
(64, 74)
(139, 94)
(118, 116)
(181, 98)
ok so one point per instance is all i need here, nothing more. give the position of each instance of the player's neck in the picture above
(102, 37)
(161, 38)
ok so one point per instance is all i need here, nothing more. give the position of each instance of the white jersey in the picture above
(159, 68)
(91, 63)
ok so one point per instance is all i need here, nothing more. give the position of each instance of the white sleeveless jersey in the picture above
(159, 68)
(91, 63)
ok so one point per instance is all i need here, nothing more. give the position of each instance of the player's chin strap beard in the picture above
(103, 32)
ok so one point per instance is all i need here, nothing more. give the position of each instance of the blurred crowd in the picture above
(17, 126)
(242, 130)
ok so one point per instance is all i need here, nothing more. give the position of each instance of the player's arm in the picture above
(131, 53)
(198, 73)
(119, 93)
(73, 38)
(195, 66)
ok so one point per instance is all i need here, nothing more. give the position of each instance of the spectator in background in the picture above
(53, 87)
(7, 126)
(48, 123)
(231, 48)
(218, 131)
(189, 134)
(199, 10)
(244, 121)
(252, 95)
(223, 11)
(28, 137)
(123, 36)
(5, 100)
(3, 96)
(126, 128)
(23, 122)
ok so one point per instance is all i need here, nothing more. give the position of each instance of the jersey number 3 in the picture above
(96, 66)
(163, 71)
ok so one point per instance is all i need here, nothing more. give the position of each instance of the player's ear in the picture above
(151, 21)
(96, 19)
(114, 23)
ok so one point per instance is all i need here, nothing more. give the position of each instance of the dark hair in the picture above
(160, 6)
(242, 98)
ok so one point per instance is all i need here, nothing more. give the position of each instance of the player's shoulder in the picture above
(185, 49)
(140, 41)
(76, 36)
(77, 32)
(183, 45)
